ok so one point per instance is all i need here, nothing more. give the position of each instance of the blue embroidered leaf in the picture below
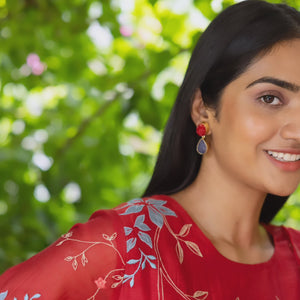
(15, 298)
(155, 217)
(35, 296)
(26, 297)
(130, 244)
(143, 264)
(139, 223)
(133, 261)
(3, 295)
(135, 201)
(131, 282)
(156, 202)
(153, 265)
(127, 230)
(151, 257)
(126, 278)
(130, 203)
(133, 209)
(165, 211)
(144, 237)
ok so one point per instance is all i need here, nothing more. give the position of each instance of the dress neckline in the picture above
(273, 231)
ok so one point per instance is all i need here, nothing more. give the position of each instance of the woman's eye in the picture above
(270, 99)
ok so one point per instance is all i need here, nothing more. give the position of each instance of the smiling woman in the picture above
(259, 114)
(201, 230)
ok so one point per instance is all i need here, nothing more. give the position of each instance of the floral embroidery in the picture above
(190, 245)
(84, 260)
(142, 240)
(26, 297)
(100, 283)
(197, 295)
(141, 264)
(157, 213)
(156, 209)
(108, 241)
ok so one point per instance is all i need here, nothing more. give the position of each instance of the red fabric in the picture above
(151, 249)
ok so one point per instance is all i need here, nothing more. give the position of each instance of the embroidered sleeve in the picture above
(85, 263)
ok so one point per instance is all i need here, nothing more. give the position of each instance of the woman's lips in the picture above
(286, 160)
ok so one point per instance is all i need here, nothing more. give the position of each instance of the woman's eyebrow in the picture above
(281, 83)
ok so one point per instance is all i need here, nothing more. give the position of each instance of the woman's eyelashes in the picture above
(270, 100)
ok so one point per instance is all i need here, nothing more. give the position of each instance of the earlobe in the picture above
(199, 112)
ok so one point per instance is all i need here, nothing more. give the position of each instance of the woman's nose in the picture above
(291, 127)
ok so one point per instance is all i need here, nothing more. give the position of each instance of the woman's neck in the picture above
(228, 214)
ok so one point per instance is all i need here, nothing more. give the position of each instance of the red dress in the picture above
(151, 249)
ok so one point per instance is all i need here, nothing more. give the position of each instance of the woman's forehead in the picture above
(282, 62)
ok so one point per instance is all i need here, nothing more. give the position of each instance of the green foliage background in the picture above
(83, 135)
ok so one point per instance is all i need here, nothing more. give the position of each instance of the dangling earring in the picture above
(202, 130)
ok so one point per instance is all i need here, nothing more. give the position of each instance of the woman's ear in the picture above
(199, 112)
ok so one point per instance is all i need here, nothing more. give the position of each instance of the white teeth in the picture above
(284, 156)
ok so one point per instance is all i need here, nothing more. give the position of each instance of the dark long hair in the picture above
(227, 47)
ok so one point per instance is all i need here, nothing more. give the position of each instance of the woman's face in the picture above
(256, 139)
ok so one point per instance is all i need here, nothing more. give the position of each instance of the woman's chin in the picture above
(283, 192)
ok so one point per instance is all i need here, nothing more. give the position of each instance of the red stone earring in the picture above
(202, 130)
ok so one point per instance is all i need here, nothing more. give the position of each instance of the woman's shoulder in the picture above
(90, 254)
(288, 232)
(94, 254)
(294, 236)
(288, 235)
